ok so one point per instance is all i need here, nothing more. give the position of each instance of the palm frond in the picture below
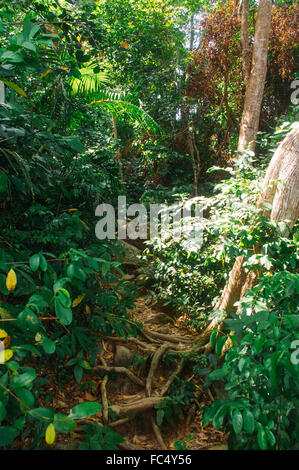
(120, 104)
(121, 107)
(89, 83)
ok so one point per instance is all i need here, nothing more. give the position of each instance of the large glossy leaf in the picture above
(84, 410)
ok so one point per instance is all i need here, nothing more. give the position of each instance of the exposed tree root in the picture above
(141, 344)
(120, 422)
(105, 399)
(136, 407)
(171, 378)
(128, 446)
(169, 338)
(105, 403)
(158, 434)
(154, 365)
(123, 370)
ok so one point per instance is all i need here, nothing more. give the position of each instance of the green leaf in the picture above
(262, 437)
(22, 380)
(25, 396)
(180, 445)
(12, 57)
(63, 423)
(237, 421)
(217, 374)
(34, 262)
(30, 29)
(84, 410)
(7, 435)
(43, 263)
(270, 437)
(29, 46)
(78, 373)
(219, 345)
(48, 345)
(27, 320)
(2, 411)
(213, 337)
(105, 268)
(43, 414)
(248, 420)
(65, 315)
(64, 297)
(219, 416)
(160, 416)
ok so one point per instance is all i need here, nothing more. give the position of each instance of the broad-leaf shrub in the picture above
(261, 371)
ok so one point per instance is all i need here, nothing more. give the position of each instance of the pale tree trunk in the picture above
(280, 190)
(256, 83)
(246, 52)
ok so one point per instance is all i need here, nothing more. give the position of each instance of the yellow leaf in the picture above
(44, 74)
(162, 379)
(15, 87)
(77, 300)
(87, 310)
(50, 434)
(64, 68)
(11, 280)
(8, 353)
(3, 334)
(5, 355)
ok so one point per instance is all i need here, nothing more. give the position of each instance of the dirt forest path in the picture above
(133, 378)
(142, 432)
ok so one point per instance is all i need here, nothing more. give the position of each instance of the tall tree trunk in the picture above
(256, 83)
(246, 52)
(280, 189)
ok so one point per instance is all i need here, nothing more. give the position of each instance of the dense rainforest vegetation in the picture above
(149, 342)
